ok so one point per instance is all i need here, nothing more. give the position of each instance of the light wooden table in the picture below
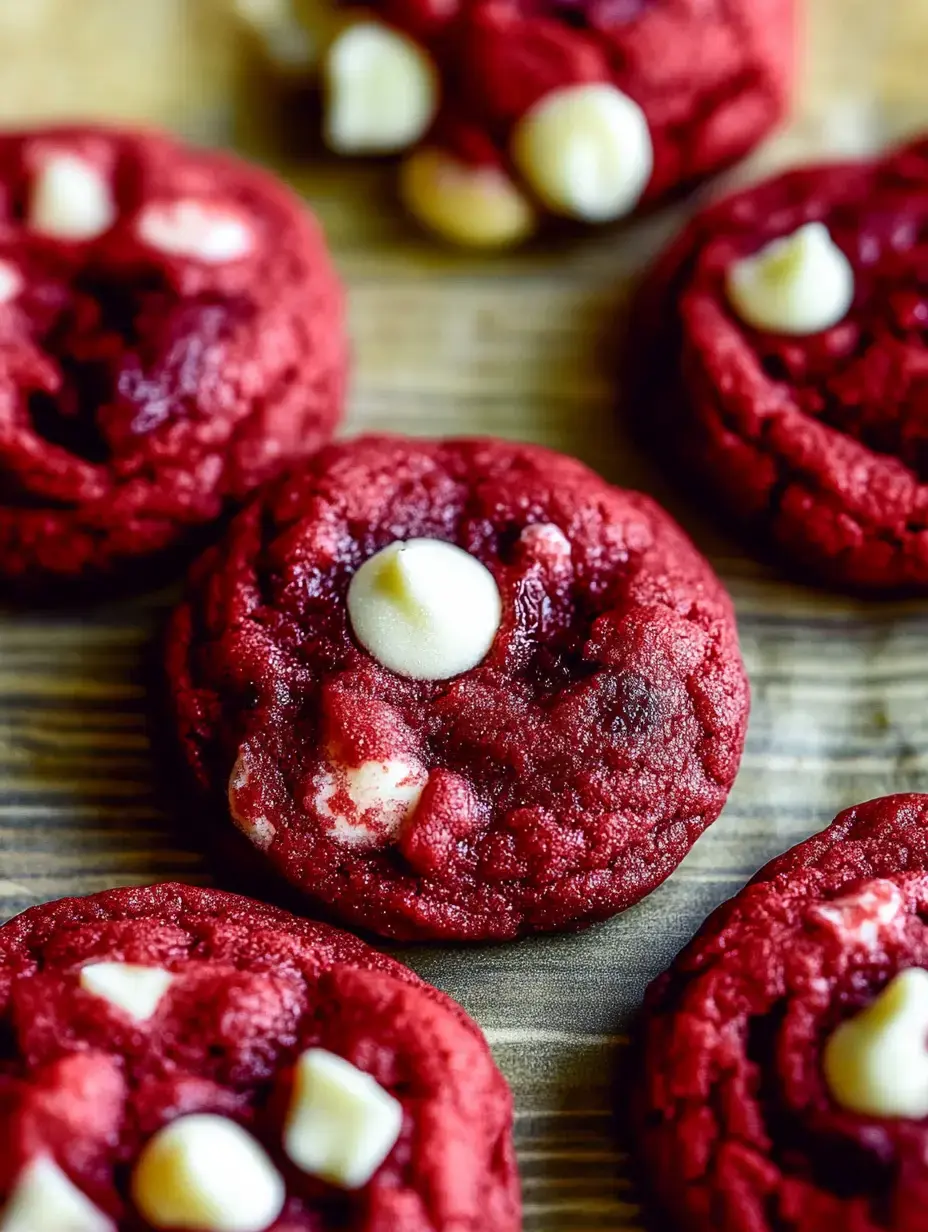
(521, 346)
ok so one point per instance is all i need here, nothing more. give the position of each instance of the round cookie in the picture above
(514, 111)
(179, 1057)
(784, 1066)
(170, 335)
(563, 714)
(779, 355)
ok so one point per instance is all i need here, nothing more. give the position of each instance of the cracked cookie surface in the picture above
(92, 1077)
(555, 783)
(816, 445)
(170, 335)
(735, 1117)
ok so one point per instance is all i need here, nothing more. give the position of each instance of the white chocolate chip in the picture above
(876, 1064)
(44, 1199)
(863, 918)
(800, 284)
(341, 1124)
(11, 282)
(546, 535)
(290, 47)
(476, 207)
(368, 804)
(586, 151)
(381, 91)
(205, 1173)
(196, 229)
(71, 199)
(260, 829)
(425, 608)
(546, 541)
(133, 989)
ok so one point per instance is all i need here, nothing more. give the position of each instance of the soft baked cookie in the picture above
(516, 110)
(170, 335)
(784, 1075)
(459, 689)
(183, 1058)
(780, 351)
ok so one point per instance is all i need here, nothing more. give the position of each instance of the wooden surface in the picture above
(521, 346)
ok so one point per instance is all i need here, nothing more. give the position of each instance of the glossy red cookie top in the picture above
(87, 1086)
(157, 366)
(738, 1125)
(558, 781)
(819, 443)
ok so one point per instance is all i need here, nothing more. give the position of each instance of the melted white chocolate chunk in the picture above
(341, 1124)
(864, 918)
(135, 990)
(876, 1064)
(547, 542)
(425, 609)
(44, 1199)
(381, 90)
(199, 230)
(379, 796)
(204, 1173)
(586, 151)
(259, 828)
(71, 199)
(800, 284)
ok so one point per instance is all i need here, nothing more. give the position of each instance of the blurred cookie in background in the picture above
(170, 336)
(506, 116)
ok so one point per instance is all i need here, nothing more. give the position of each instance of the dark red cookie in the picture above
(712, 79)
(170, 334)
(737, 1123)
(816, 445)
(250, 989)
(651, 95)
(556, 783)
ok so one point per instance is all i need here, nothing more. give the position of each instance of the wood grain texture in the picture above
(522, 346)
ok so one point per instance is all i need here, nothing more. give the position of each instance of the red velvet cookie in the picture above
(170, 334)
(785, 1064)
(525, 734)
(792, 389)
(580, 108)
(178, 1057)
